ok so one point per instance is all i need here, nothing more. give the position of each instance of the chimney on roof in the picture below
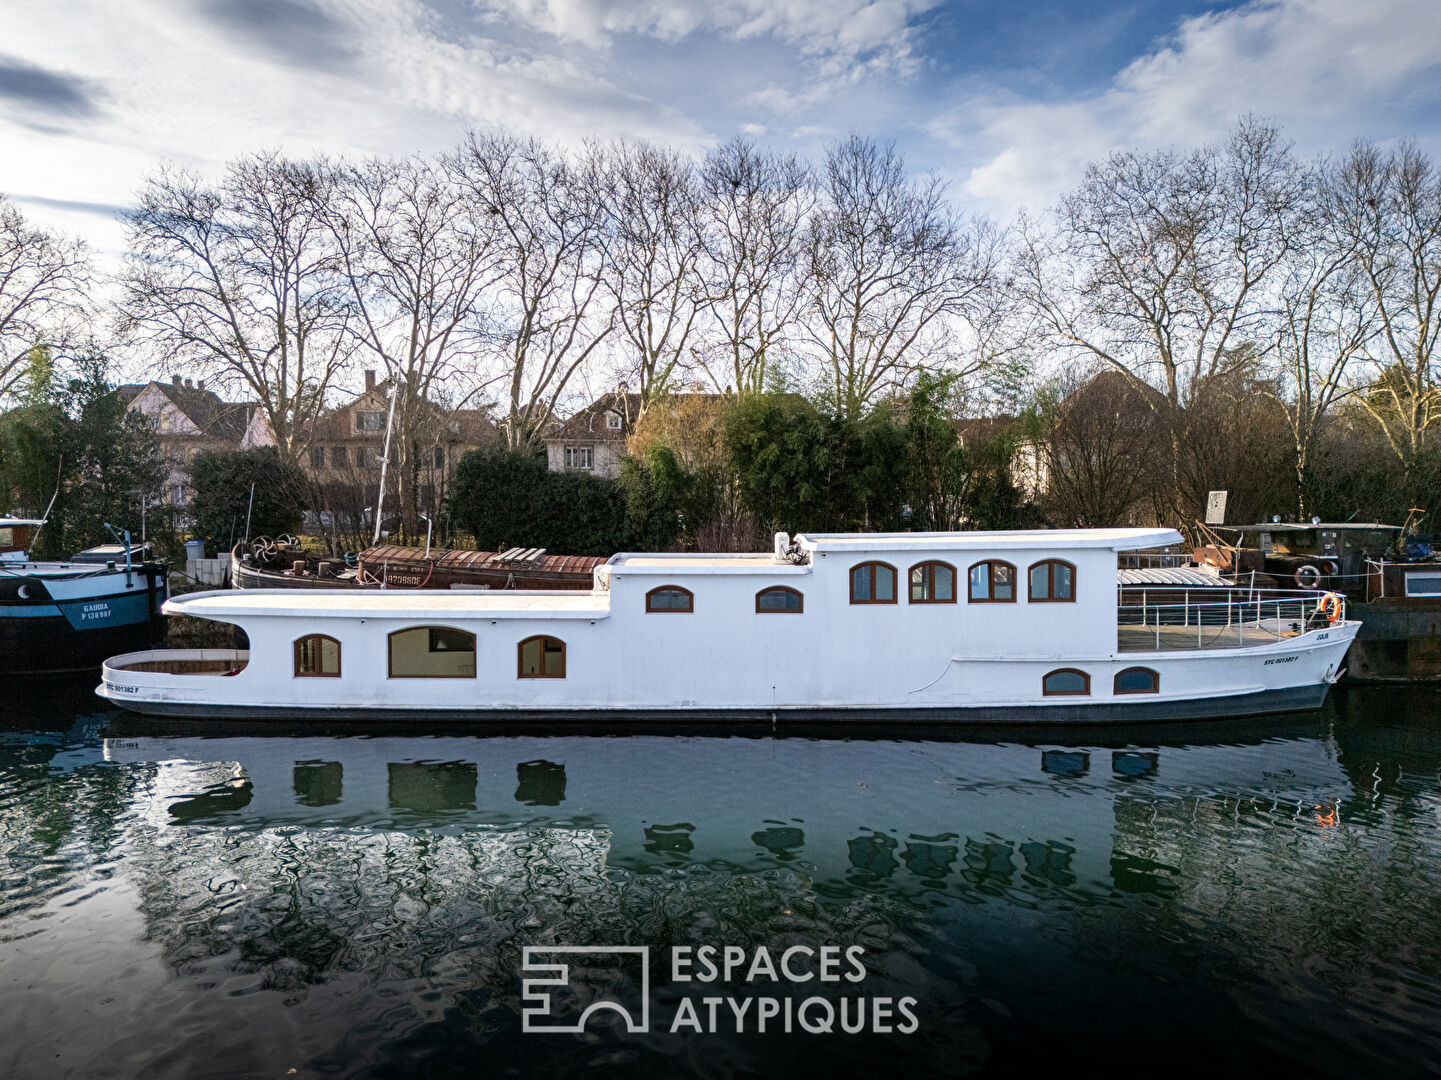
(200, 384)
(175, 381)
(188, 385)
(369, 379)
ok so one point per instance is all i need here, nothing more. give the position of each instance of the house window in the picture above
(541, 658)
(873, 583)
(317, 457)
(933, 583)
(1137, 680)
(439, 458)
(370, 421)
(317, 657)
(432, 652)
(670, 598)
(1065, 682)
(780, 600)
(339, 459)
(579, 457)
(1053, 582)
(612, 421)
(992, 582)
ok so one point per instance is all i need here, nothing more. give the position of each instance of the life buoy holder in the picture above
(1330, 606)
(1306, 576)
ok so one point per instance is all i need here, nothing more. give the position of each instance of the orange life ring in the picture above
(1330, 606)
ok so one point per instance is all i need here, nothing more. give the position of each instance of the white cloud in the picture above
(1328, 71)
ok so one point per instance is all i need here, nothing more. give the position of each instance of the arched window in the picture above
(992, 582)
(540, 658)
(317, 657)
(1065, 681)
(432, 652)
(1053, 581)
(873, 583)
(1137, 680)
(670, 598)
(779, 599)
(933, 583)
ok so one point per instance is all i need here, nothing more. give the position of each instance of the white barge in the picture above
(940, 627)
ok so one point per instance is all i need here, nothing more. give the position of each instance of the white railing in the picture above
(1236, 622)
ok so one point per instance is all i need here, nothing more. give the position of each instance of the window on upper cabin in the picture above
(670, 598)
(339, 459)
(370, 421)
(779, 599)
(317, 457)
(873, 583)
(1066, 681)
(540, 658)
(933, 583)
(992, 582)
(432, 652)
(1052, 582)
(579, 457)
(612, 421)
(1137, 680)
(317, 657)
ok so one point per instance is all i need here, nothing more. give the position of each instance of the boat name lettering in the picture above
(117, 688)
(99, 610)
(1279, 660)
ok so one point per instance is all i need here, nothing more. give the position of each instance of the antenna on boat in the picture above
(45, 517)
(116, 533)
(385, 461)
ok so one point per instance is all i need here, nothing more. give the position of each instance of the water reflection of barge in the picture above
(1013, 626)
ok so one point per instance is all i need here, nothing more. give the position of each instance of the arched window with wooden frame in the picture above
(670, 598)
(1066, 682)
(992, 582)
(1052, 581)
(873, 583)
(780, 600)
(317, 656)
(933, 582)
(1137, 680)
(540, 657)
(431, 652)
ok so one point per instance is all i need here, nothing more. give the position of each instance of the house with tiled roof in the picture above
(188, 419)
(594, 439)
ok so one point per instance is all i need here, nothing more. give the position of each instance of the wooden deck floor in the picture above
(1181, 638)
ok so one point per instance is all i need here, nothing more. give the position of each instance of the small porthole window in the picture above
(670, 598)
(317, 657)
(933, 583)
(992, 582)
(1137, 680)
(1052, 582)
(779, 599)
(541, 657)
(873, 583)
(1066, 682)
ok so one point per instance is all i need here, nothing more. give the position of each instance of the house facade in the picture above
(594, 439)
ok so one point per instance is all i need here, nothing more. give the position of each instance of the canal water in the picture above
(1257, 896)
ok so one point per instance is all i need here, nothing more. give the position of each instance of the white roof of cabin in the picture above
(1113, 539)
(663, 563)
(432, 605)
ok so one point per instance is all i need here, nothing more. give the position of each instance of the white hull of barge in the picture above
(951, 662)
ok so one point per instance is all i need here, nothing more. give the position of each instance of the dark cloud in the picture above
(100, 209)
(294, 31)
(38, 89)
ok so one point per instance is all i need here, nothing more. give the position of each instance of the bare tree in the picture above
(891, 269)
(417, 259)
(754, 210)
(547, 236)
(241, 280)
(1323, 320)
(1155, 265)
(1389, 207)
(651, 262)
(43, 277)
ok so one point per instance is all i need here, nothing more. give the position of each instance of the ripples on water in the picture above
(1254, 896)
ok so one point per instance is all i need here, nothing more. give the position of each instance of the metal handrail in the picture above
(1273, 617)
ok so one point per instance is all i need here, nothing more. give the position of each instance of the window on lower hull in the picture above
(541, 658)
(432, 652)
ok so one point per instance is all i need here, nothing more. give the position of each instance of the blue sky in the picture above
(1008, 101)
